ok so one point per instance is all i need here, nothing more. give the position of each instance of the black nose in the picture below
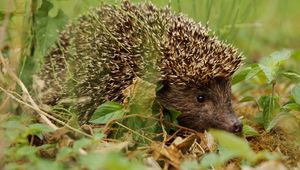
(237, 127)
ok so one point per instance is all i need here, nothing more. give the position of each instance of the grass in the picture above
(266, 94)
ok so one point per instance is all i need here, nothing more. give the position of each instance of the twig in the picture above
(165, 134)
(134, 131)
(44, 113)
(25, 91)
(147, 117)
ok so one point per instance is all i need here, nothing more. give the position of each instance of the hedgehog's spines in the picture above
(111, 45)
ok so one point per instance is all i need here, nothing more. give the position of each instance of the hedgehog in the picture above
(99, 55)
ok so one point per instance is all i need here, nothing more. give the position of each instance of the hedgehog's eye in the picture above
(200, 98)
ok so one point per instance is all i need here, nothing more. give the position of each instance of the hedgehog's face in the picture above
(202, 107)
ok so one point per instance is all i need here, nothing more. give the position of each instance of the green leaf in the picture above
(296, 94)
(291, 106)
(216, 160)
(26, 151)
(53, 12)
(108, 117)
(211, 159)
(141, 95)
(174, 114)
(277, 119)
(107, 112)
(106, 108)
(265, 155)
(17, 132)
(93, 161)
(292, 76)
(279, 56)
(98, 135)
(246, 74)
(247, 99)
(109, 161)
(37, 129)
(48, 165)
(46, 28)
(270, 65)
(236, 146)
(255, 69)
(190, 165)
(64, 153)
(240, 76)
(268, 72)
(258, 118)
(82, 143)
(269, 107)
(249, 131)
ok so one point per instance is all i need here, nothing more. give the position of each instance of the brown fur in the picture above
(214, 112)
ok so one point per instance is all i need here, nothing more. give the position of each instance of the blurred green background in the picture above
(257, 27)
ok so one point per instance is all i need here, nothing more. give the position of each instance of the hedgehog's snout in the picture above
(236, 126)
(228, 121)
